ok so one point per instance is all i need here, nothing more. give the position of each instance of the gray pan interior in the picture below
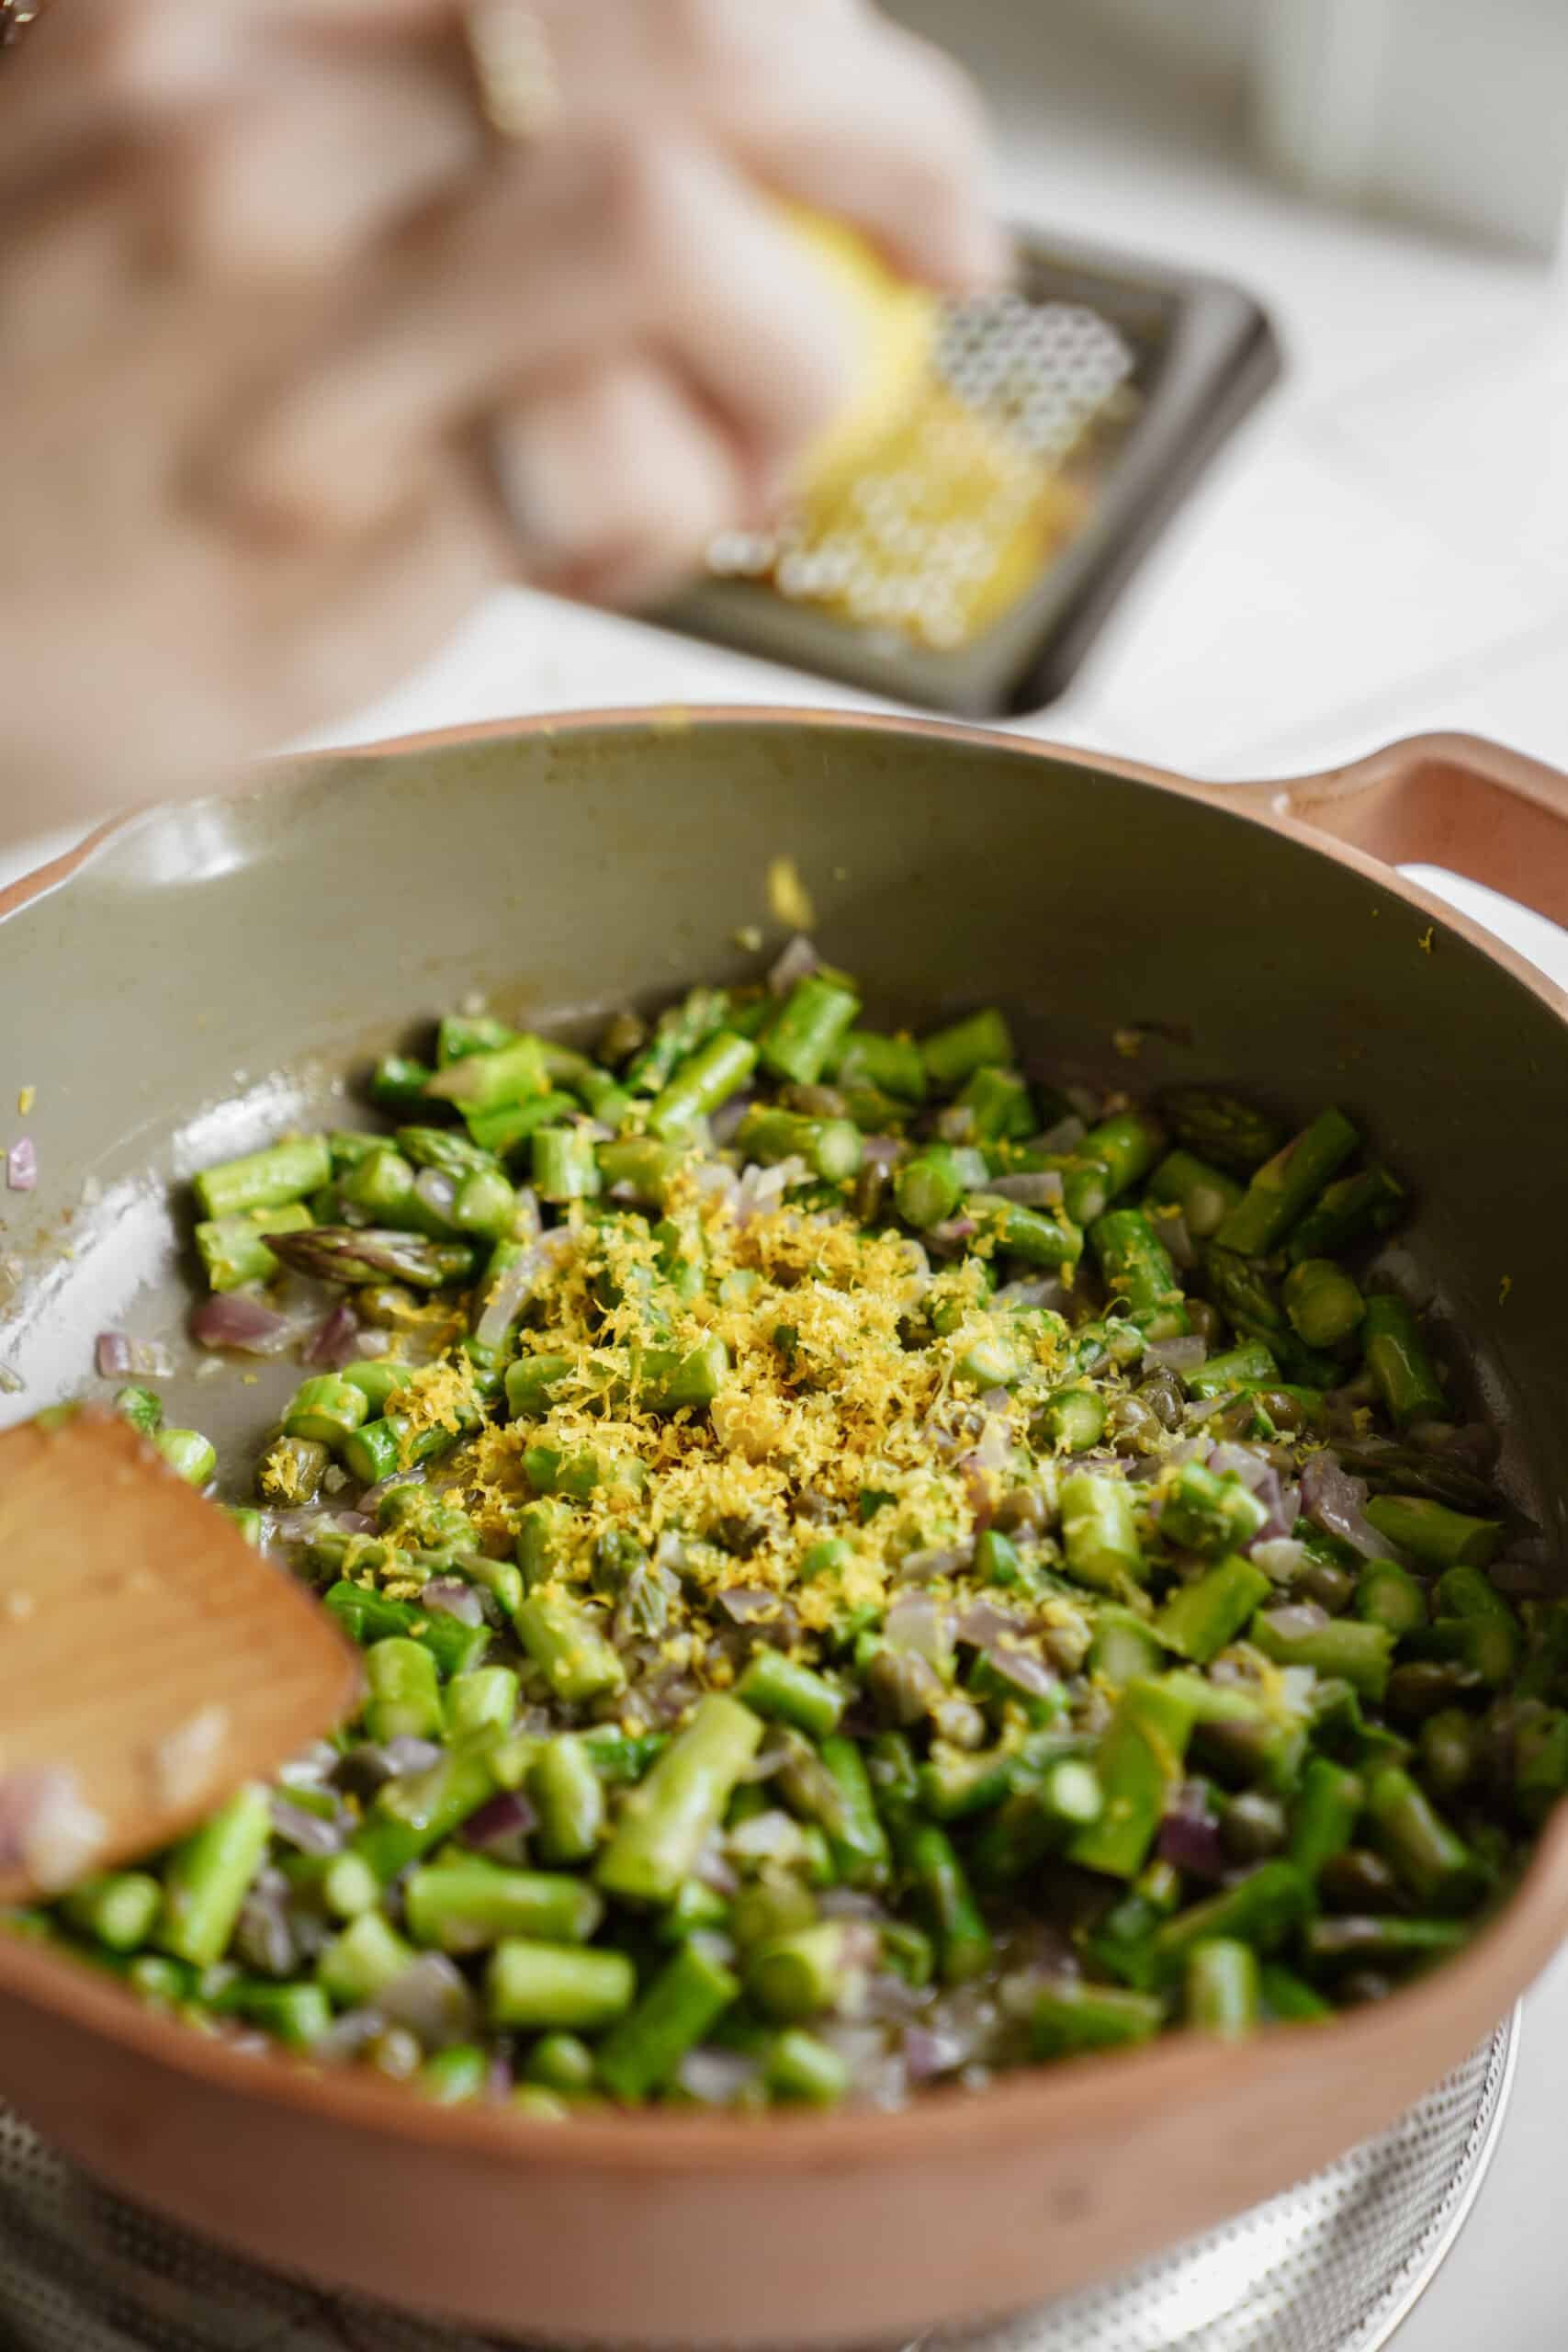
(218, 970)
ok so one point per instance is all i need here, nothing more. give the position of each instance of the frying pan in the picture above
(1253, 935)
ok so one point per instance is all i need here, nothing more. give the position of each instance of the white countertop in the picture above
(1384, 549)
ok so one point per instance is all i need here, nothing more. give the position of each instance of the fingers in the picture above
(277, 134)
(301, 174)
(349, 628)
(892, 141)
(826, 101)
(592, 252)
(614, 484)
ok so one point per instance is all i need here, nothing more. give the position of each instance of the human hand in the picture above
(263, 297)
(658, 349)
(184, 190)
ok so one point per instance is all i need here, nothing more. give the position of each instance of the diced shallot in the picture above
(336, 1339)
(797, 961)
(450, 1597)
(1038, 1188)
(231, 1320)
(1183, 1354)
(1332, 1500)
(915, 1622)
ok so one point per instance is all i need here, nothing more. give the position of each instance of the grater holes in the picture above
(971, 497)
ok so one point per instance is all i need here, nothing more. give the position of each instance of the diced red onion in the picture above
(995, 1448)
(263, 1937)
(979, 1490)
(414, 1477)
(1183, 1354)
(881, 1152)
(450, 1597)
(347, 2036)
(1023, 1670)
(1246, 1463)
(729, 1115)
(310, 1766)
(715, 2077)
(21, 1165)
(512, 1288)
(111, 1352)
(712, 1871)
(921, 1567)
(771, 1757)
(298, 1526)
(1036, 1188)
(1296, 1618)
(1191, 1840)
(1194, 1415)
(746, 1605)
(336, 1340)
(762, 1188)
(927, 2053)
(797, 961)
(229, 1319)
(433, 1999)
(1065, 1136)
(508, 1814)
(713, 1180)
(1170, 1227)
(771, 1837)
(1280, 1558)
(878, 2074)
(984, 1623)
(970, 2013)
(437, 1190)
(1049, 1291)
(1332, 1500)
(948, 1238)
(1282, 1514)
(848, 1903)
(405, 1752)
(915, 1622)
(665, 1697)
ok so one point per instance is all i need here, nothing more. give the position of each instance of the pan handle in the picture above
(1451, 800)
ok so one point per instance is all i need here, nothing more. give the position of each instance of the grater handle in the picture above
(1457, 801)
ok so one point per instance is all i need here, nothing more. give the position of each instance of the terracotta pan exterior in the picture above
(1157, 894)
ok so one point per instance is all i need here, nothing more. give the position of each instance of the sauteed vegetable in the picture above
(872, 1571)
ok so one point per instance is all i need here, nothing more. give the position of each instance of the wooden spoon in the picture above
(151, 1660)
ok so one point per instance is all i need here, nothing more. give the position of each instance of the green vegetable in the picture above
(860, 1587)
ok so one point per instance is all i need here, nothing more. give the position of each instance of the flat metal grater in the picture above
(970, 559)
(1331, 2265)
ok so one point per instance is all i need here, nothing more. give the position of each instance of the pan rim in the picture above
(1452, 2006)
